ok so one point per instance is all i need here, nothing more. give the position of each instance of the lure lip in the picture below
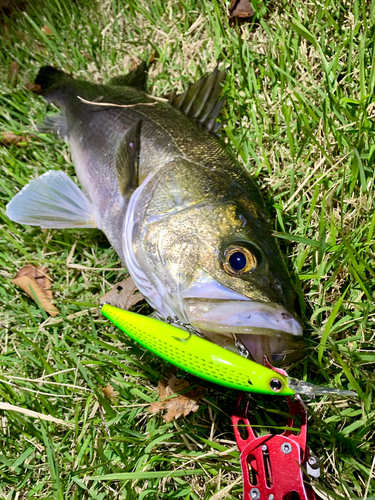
(306, 388)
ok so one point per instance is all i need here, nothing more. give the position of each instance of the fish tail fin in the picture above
(49, 76)
(52, 200)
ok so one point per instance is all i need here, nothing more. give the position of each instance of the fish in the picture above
(184, 216)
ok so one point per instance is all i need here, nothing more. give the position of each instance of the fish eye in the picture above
(239, 260)
(276, 385)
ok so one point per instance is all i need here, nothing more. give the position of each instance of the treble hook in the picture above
(176, 321)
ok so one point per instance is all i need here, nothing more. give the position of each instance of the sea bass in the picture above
(184, 216)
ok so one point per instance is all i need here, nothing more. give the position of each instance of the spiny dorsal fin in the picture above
(201, 100)
(136, 78)
(127, 159)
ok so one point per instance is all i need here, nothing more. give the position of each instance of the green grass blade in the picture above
(328, 326)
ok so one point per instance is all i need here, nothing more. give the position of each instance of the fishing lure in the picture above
(210, 361)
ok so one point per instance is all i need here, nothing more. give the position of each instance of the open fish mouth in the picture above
(261, 328)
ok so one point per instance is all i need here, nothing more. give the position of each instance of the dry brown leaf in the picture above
(47, 30)
(171, 386)
(29, 285)
(162, 389)
(240, 12)
(36, 279)
(109, 392)
(152, 58)
(8, 138)
(134, 65)
(122, 295)
(13, 72)
(180, 405)
(33, 87)
(40, 274)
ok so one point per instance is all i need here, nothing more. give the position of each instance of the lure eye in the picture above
(276, 385)
(239, 260)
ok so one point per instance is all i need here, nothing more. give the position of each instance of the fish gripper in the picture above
(275, 466)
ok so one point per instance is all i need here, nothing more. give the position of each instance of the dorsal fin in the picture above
(201, 100)
(127, 159)
(135, 78)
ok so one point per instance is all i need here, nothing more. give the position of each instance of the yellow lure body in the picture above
(197, 355)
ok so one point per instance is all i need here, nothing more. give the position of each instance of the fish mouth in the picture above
(263, 329)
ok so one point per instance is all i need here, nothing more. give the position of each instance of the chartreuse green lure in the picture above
(207, 360)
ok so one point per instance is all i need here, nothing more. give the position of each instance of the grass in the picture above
(300, 110)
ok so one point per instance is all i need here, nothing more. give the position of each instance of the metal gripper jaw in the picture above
(274, 467)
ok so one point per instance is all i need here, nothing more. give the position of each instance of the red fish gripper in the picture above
(274, 466)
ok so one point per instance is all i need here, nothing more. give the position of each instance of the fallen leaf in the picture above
(8, 138)
(40, 274)
(13, 72)
(162, 389)
(152, 58)
(171, 386)
(240, 12)
(33, 87)
(35, 280)
(109, 392)
(180, 405)
(134, 65)
(47, 30)
(122, 295)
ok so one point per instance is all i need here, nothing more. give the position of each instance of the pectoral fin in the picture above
(127, 159)
(54, 124)
(52, 200)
